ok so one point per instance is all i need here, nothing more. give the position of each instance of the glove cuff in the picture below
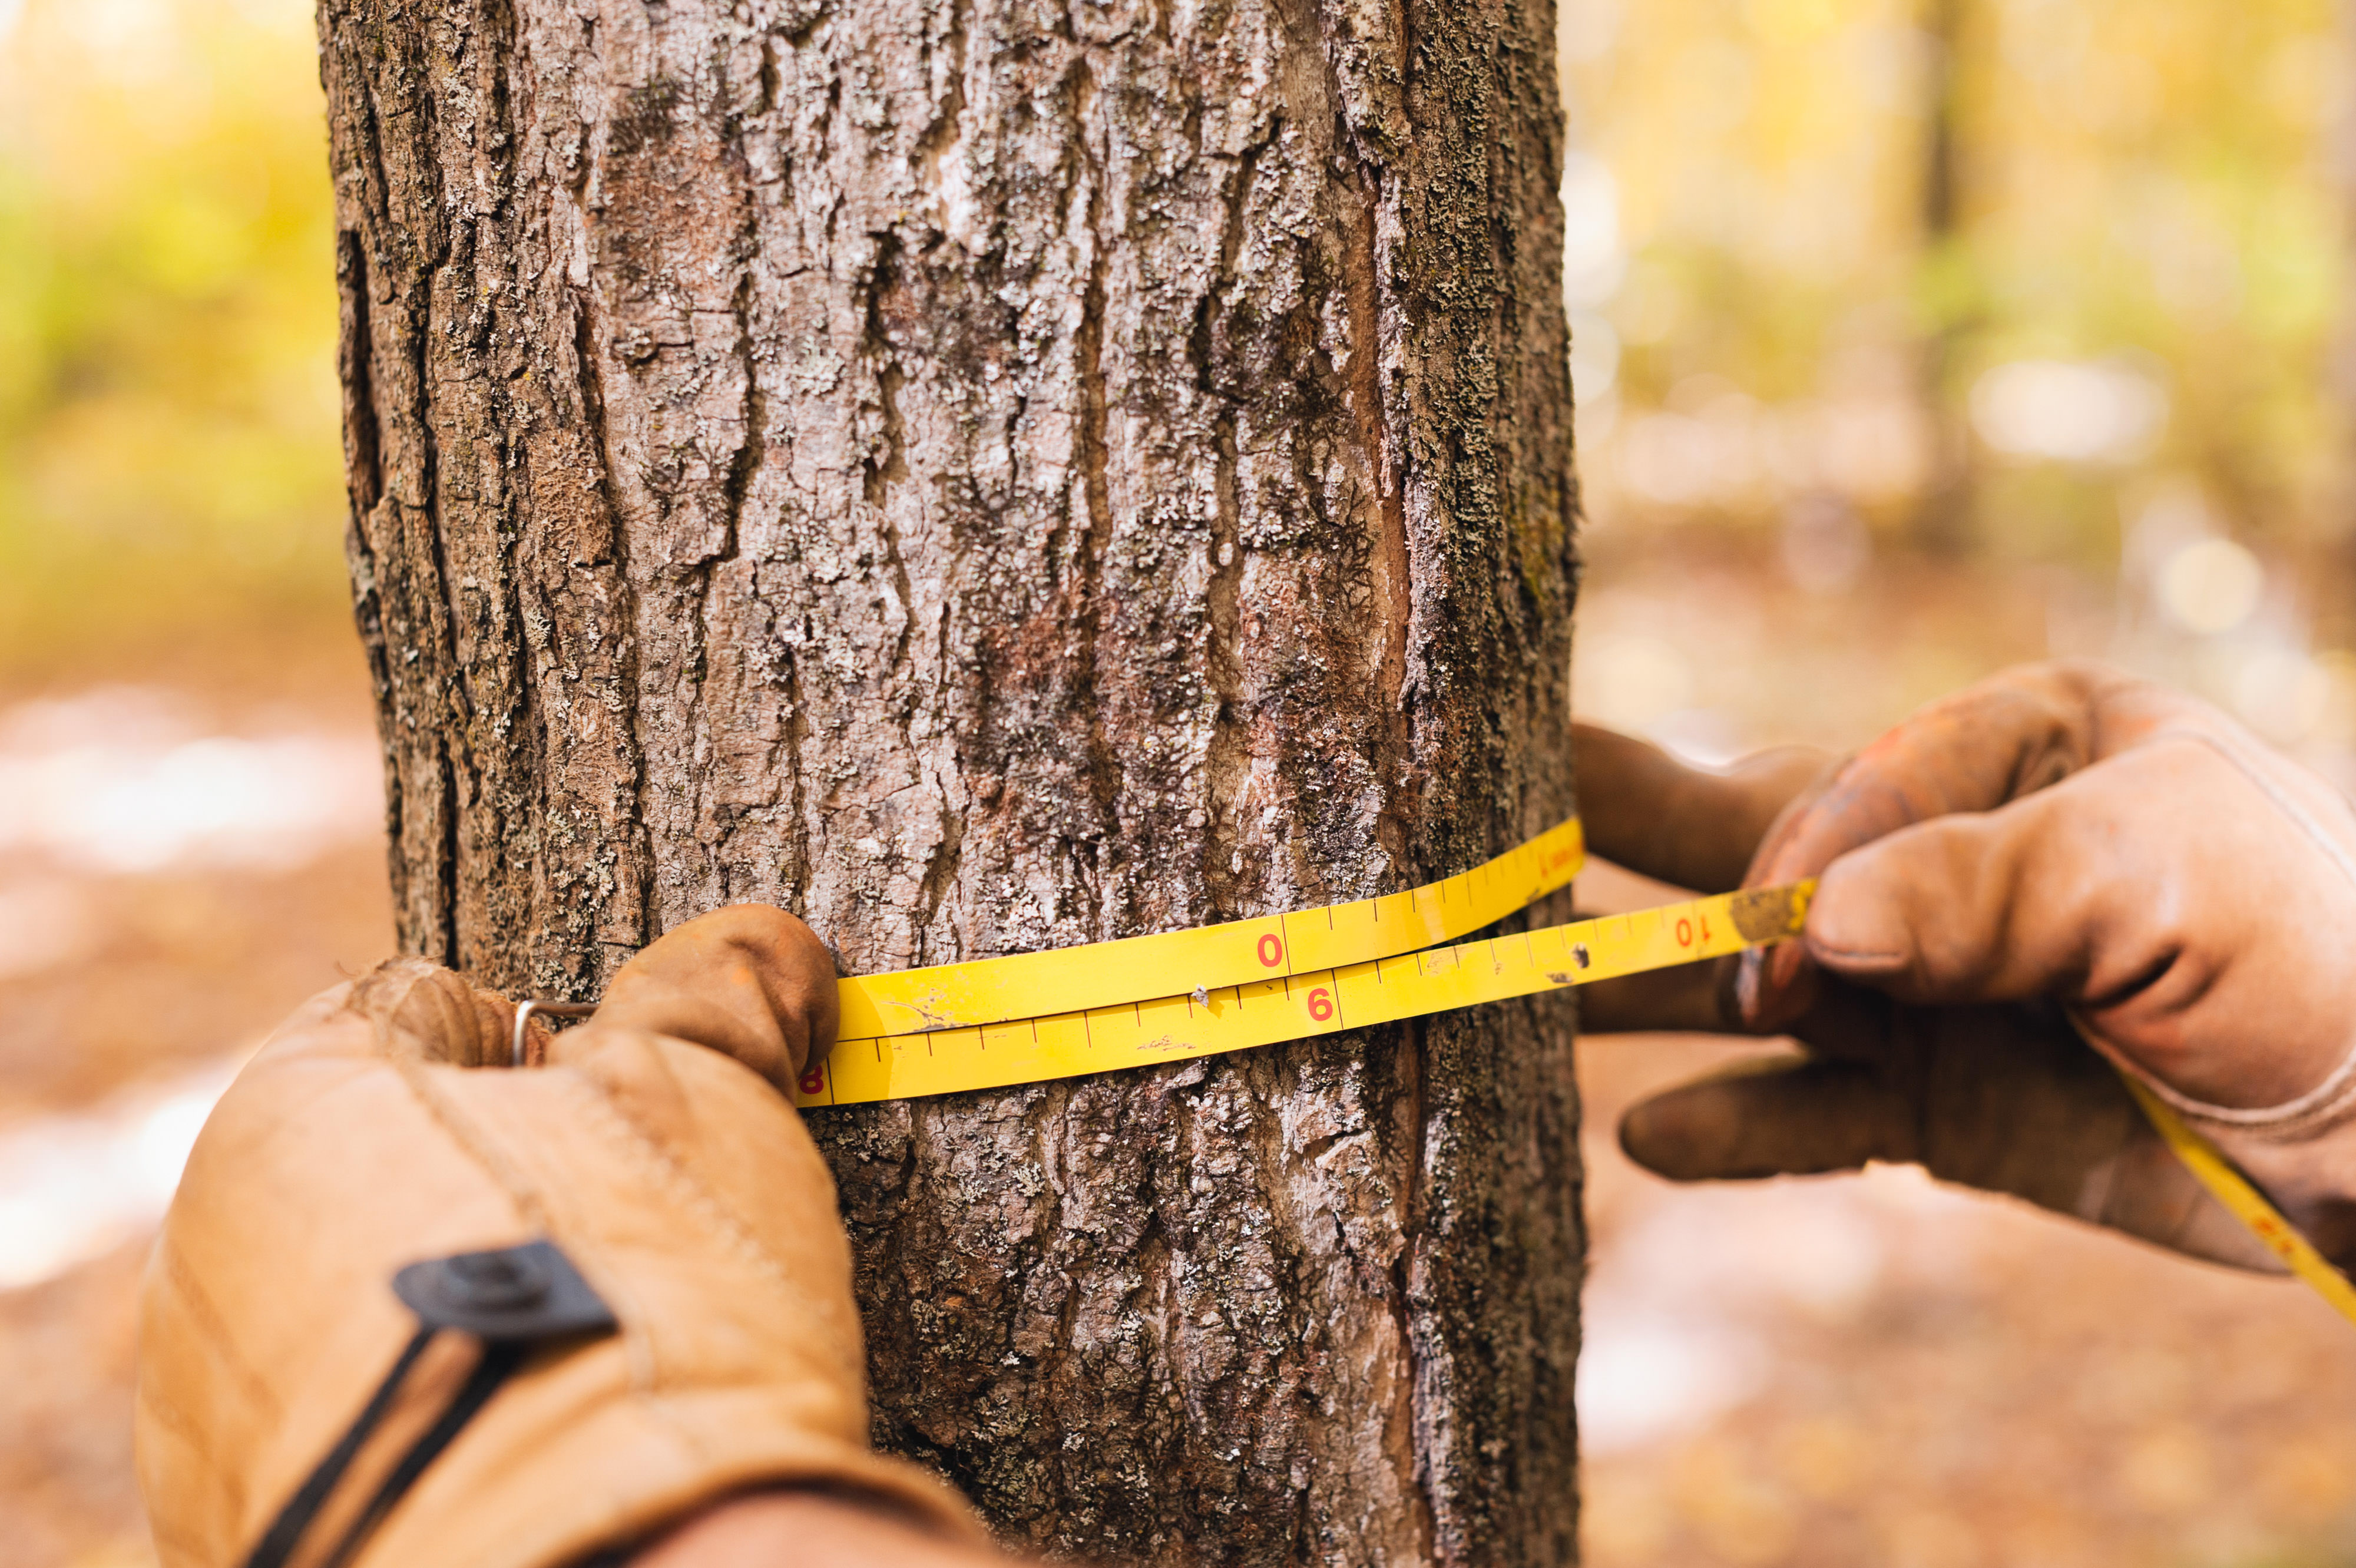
(2293, 1121)
(581, 1464)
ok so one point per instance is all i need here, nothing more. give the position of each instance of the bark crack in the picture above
(363, 473)
(1226, 755)
(753, 409)
(796, 730)
(1395, 607)
(942, 133)
(1413, 1051)
(1104, 766)
(879, 474)
(632, 849)
(452, 739)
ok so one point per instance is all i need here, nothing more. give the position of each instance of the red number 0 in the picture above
(1684, 932)
(814, 1081)
(1271, 950)
(1321, 1004)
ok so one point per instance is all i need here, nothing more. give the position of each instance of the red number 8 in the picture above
(1321, 1004)
(814, 1081)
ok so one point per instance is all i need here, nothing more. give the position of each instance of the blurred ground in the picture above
(156, 920)
(1875, 1372)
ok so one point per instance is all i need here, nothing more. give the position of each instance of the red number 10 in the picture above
(1685, 931)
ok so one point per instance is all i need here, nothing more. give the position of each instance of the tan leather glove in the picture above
(2061, 837)
(381, 1127)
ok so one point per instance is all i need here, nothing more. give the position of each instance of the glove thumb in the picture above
(748, 981)
(1985, 907)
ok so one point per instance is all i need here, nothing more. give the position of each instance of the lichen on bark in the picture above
(989, 476)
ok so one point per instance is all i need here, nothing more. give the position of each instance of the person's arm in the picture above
(2058, 842)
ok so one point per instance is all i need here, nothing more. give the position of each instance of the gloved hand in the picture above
(382, 1126)
(2059, 841)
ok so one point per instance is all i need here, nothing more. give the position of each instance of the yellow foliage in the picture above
(169, 456)
(2138, 184)
(1766, 306)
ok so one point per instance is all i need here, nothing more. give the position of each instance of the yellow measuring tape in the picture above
(1208, 1021)
(1099, 1007)
(1274, 947)
(1231, 987)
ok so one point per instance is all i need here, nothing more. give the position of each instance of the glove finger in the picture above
(1777, 1118)
(1687, 826)
(1843, 1021)
(2015, 1103)
(2160, 892)
(2086, 891)
(2002, 1099)
(2002, 739)
(748, 981)
(1996, 906)
(419, 1008)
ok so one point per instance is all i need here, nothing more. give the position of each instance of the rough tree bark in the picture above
(985, 475)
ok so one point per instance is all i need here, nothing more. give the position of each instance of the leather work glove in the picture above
(690, 1335)
(2057, 842)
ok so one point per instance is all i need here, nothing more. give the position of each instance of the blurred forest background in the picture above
(1911, 337)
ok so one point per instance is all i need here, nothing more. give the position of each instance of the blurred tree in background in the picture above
(170, 468)
(2140, 261)
(2051, 284)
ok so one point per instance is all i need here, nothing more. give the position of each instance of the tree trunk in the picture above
(1942, 522)
(987, 478)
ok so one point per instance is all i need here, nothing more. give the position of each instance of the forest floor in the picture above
(1851, 1372)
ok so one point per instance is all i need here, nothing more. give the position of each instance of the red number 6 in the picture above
(1321, 1004)
(1271, 950)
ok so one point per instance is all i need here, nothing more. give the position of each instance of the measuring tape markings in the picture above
(1297, 1007)
(1178, 996)
(1208, 958)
